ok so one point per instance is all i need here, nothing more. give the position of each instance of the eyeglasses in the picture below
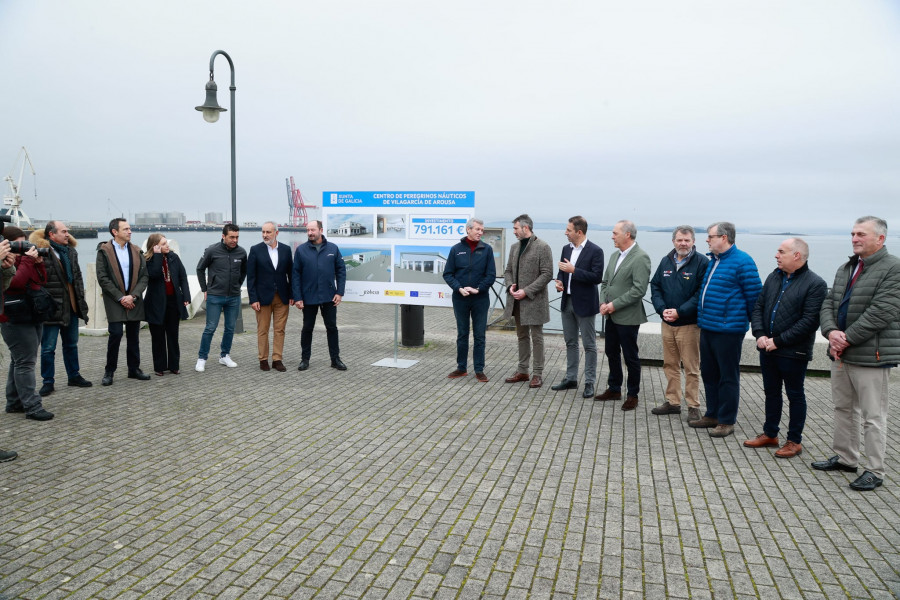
(712, 237)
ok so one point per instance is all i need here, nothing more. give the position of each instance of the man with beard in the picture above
(528, 271)
(675, 293)
(269, 269)
(226, 264)
(319, 276)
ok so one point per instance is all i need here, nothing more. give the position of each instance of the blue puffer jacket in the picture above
(467, 268)
(318, 274)
(730, 289)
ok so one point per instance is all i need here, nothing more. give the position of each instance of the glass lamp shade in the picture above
(210, 108)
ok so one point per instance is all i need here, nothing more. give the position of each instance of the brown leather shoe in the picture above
(762, 441)
(517, 378)
(630, 403)
(278, 366)
(609, 395)
(263, 365)
(536, 382)
(704, 423)
(481, 377)
(790, 449)
(457, 373)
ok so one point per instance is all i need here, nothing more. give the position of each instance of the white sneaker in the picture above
(201, 365)
(226, 360)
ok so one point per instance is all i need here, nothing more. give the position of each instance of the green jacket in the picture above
(626, 287)
(873, 314)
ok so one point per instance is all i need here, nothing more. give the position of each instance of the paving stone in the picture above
(383, 491)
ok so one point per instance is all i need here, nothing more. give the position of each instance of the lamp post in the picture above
(211, 109)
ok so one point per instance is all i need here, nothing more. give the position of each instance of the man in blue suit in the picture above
(580, 271)
(269, 267)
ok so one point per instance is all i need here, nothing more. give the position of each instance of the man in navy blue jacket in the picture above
(580, 271)
(784, 323)
(269, 267)
(730, 289)
(675, 293)
(470, 272)
(318, 281)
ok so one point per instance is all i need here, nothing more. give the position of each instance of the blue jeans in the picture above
(792, 373)
(720, 369)
(474, 307)
(215, 306)
(69, 335)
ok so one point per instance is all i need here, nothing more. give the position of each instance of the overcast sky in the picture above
(772, 114)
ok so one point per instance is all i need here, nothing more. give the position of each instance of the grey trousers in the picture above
(531, 335)
(860, 392)
(23, 341)
(573, 327)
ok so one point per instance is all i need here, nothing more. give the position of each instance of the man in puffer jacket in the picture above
(861, 319)
(730, 288)
(784, 323)
(66, 285)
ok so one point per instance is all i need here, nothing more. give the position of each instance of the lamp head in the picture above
(210, 107)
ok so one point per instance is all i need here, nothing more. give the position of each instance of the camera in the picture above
(21, 247)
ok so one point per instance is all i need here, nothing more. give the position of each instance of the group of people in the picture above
(706, 305)
(152, 286)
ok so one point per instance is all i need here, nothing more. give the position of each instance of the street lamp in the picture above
(211, 109)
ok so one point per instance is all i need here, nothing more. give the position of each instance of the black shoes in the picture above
(79, 381)
(565, 384)
(866, 482)
(337, 364)
(138, 374)
(832, 464)
(107, 378)
(7, 455)
(46, 390)
(304, 365)
(40, 415)
(588, 390)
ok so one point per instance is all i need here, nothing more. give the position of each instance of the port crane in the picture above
(12, 201)
(297, 205)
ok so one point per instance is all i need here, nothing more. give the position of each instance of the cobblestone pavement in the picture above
(396, 483)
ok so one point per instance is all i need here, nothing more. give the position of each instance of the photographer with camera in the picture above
(8, 262)
(21, 327)
(66, 285)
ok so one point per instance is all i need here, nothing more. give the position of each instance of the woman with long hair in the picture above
(165, 304)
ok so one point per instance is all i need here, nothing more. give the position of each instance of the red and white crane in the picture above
(297, 204)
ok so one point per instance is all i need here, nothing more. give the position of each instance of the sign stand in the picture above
(395, 362)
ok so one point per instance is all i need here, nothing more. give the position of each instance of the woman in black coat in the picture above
(165, 303)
